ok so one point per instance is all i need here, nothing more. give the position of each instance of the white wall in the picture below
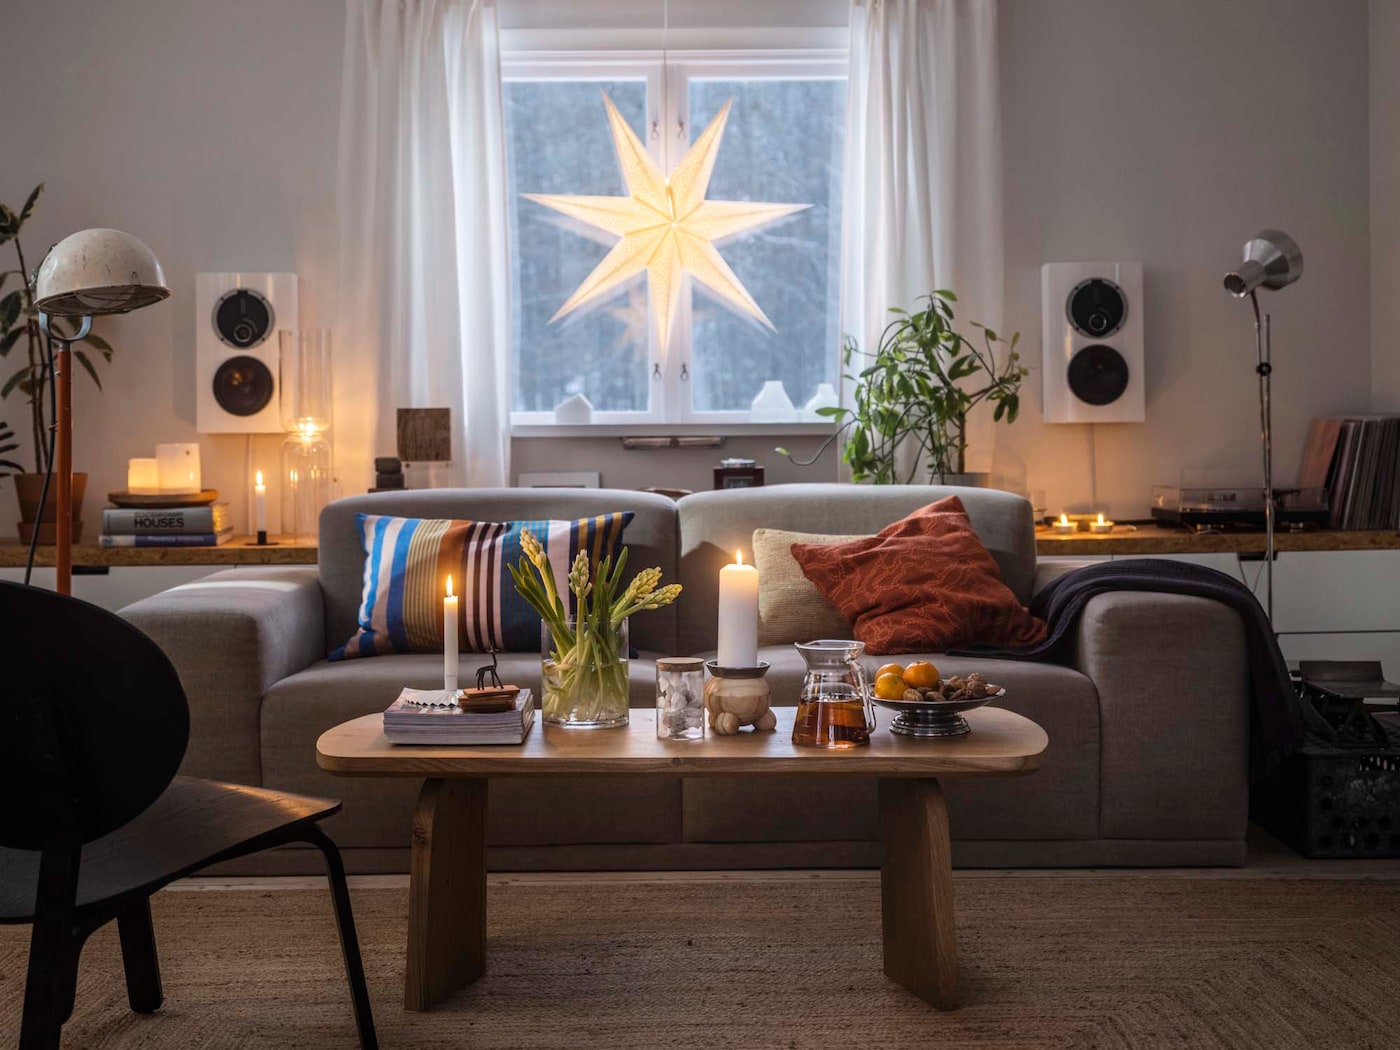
(206, 128)
(1162, 131)
(1385, 205)
(1170, 133)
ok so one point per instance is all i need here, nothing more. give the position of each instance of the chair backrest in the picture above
(89, 706)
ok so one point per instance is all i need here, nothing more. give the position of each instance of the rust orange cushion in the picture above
(923, 584)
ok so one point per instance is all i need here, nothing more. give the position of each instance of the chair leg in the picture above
(349, 941)
(139, 958)
(49, 988)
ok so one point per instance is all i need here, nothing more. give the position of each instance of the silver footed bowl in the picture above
(933, 718)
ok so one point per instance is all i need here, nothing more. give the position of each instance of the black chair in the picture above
(93, 819)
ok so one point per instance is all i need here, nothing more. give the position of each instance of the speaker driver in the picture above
(243, 318)
(1098, 375)
(243, 386)
(1096, 307)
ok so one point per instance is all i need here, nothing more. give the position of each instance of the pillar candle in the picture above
(259, 503)
(178, 467)
(738, 615)
(143, 476)
(449, 639)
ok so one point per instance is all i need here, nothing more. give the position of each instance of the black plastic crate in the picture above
(1335, 802)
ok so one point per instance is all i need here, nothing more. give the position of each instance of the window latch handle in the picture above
(680, 129)
(656, 370)
(685, 372)
(655, 129)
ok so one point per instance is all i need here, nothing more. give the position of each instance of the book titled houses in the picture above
(166, 521)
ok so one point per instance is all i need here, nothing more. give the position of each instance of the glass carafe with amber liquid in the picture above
(834, 710)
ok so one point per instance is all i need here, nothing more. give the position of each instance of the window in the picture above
(783, 143)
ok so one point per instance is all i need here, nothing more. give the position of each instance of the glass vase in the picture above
(583, 675)
(308, 484)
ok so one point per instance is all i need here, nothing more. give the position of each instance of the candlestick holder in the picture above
(738, 696)
(262, 540)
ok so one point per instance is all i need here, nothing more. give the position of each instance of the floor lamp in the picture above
(87, 274)
(1272, 260)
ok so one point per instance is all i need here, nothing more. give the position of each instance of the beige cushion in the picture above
(790, 608)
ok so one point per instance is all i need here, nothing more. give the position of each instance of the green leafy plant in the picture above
(585, 676)
(913, 395)
(19, 322)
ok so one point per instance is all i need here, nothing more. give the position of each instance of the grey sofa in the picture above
(1147, 720)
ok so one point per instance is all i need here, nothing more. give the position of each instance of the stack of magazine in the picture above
(431, 716)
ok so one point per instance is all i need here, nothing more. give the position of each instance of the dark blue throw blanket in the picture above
(1278, 717)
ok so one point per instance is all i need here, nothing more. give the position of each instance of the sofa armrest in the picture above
(1172, 676)
(230, 636)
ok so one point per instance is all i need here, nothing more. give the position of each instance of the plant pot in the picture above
(28, 488)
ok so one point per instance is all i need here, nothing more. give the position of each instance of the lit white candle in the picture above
(260, 502)
(177, 466)
(1064, 526)
(738, 615)
(143, 476)
(449, 639)
(1101, 525)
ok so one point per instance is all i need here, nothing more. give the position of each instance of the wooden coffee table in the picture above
(447, 888)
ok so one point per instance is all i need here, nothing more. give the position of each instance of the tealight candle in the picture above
(449, 639)
(738, 615)
(1100, 526)
(143, 476)
(1064, 526)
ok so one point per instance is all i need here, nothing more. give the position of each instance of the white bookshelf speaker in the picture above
(1091, 335)
(237, 317)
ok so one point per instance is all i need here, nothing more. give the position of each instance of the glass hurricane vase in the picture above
(583, 675)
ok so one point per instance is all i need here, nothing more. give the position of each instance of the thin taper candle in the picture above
(449, 639)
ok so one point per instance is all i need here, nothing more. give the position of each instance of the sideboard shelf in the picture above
(1125, 541)
(1158, 539)
(241, 550)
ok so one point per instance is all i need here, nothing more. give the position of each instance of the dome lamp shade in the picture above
(98, 271)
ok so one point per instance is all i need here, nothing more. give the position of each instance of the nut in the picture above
(913, 694)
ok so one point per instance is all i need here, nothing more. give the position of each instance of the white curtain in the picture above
(421, 202)
(923, 183)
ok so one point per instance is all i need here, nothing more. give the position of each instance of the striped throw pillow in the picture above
(408, 560)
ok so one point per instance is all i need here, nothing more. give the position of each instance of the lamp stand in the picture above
(1264, 348)
(63, 451)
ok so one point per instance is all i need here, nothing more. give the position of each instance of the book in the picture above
(1359, 458)
(168, 539)
(149, 521)
(431, 716)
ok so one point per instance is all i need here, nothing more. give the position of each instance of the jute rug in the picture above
(736, 962)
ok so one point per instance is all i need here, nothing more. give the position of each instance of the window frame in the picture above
(667, 76)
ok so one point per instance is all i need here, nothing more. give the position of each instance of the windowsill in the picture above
(599, 430)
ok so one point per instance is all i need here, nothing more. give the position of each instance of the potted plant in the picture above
(584, 658)
(912, 397)
(19, 328)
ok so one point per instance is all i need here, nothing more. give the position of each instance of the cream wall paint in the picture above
(1159, 131)
(1385, 205)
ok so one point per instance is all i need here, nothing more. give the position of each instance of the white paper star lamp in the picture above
(667, 227)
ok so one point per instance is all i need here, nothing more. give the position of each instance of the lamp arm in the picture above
(1264, 348)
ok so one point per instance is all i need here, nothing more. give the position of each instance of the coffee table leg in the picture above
(446, 892)
(916, 890)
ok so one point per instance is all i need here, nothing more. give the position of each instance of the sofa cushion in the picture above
(378, 812)
(1060, 800)
(409, 560)
(790, 608)
(651, 538)
(713, 525)
(922, 583)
